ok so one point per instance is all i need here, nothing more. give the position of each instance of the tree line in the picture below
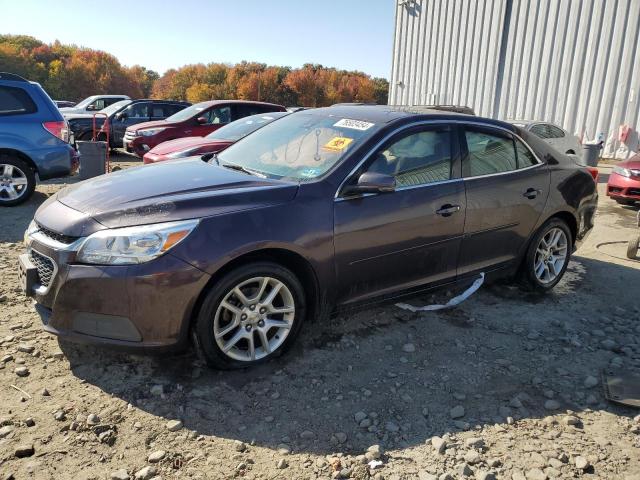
(69, 72)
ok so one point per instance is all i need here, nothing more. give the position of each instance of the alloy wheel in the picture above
(254, 318)
(13, 182)
(551, 255)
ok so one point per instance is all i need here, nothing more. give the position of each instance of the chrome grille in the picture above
(58, 237)
(45, 267)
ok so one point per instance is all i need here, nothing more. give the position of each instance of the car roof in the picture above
(209, 103)
(393, 113)
(155, 100)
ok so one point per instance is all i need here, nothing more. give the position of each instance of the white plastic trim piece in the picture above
(451, 303)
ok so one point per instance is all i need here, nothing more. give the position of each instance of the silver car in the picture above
(554, 135)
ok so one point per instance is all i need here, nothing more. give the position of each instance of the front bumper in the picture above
(137, 145)
(626, 188)
(140, 307)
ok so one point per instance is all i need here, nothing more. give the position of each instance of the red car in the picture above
(195, 121)
(624, 182)
(212, 143)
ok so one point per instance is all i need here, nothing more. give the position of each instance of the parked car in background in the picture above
(120, 116)
(95, 103)
(214, 142)
(319, 211)
(624, 182)
(64, 103)
(196, 121)
(33, 139)
(554, 135)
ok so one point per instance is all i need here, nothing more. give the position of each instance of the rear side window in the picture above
(15, 101)
(555, 132)
(525, 157)
(540, 130)
(488, 154)
(418, 158)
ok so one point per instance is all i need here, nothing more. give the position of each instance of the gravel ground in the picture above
(505, 386)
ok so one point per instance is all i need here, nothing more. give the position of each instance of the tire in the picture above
(17, 181)
(625, 202)
(632, 247)
(217, 325)
(542, 280)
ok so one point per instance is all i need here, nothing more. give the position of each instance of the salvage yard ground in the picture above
(508, 383)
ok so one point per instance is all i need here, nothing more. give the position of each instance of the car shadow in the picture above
(404, 371)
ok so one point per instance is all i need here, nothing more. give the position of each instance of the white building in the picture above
(570, 62)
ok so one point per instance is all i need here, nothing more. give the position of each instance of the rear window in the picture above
(15, 101)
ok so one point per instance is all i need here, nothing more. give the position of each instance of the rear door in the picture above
(391, 241)
(506, 189)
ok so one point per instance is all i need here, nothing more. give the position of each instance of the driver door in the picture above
(385, 242)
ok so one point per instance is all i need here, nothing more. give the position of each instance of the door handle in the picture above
(448, 210)
(531, 193)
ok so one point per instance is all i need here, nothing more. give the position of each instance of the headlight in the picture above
(183, 153)
(132, 245)
(150, 132)
(33, 227)
(622, 171)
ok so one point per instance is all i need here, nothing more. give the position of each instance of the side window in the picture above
(488, 154)
(97, 105)
(175, 109)
(555, 132)
(138, 110)
(15, 101)
(218, 115)
(525, 157)
(540, 130)
(241, 111)
(417, 158)
(157, 111)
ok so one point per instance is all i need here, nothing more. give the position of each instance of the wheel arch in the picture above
(299, 266)
(21, 155)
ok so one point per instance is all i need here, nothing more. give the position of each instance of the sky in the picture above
(163, 34)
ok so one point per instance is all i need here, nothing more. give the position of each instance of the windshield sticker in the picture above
(337, 144)
(353, 124)
(309, 172)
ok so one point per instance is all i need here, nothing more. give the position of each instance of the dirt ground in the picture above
(506, 386)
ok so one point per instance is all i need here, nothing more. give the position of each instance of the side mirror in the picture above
(201, 120)
(371, 182)
(90, 108)
(120, 116)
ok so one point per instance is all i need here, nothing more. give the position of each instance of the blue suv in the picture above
(33, 139)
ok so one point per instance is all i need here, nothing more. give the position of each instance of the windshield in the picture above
(187, 112)
(114, 107)
(243, 127)
(84, 102)
(302, 146)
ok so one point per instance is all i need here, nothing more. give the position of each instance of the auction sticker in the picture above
(353, 124)
(337, 144)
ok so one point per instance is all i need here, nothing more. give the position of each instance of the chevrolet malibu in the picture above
(321, 211)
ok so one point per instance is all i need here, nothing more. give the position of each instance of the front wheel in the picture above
(548, 256)
(251, 315)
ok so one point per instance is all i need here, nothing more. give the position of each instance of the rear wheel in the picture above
(251, 315)
(17, 181)
(632, 247)
(548, 255)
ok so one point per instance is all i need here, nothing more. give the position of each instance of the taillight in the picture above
(594, 173)
(57, 129)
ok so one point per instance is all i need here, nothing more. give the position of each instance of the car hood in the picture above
(161, 192)
(633, 163)
(71, 111)
(153, 124)
(180, 144)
